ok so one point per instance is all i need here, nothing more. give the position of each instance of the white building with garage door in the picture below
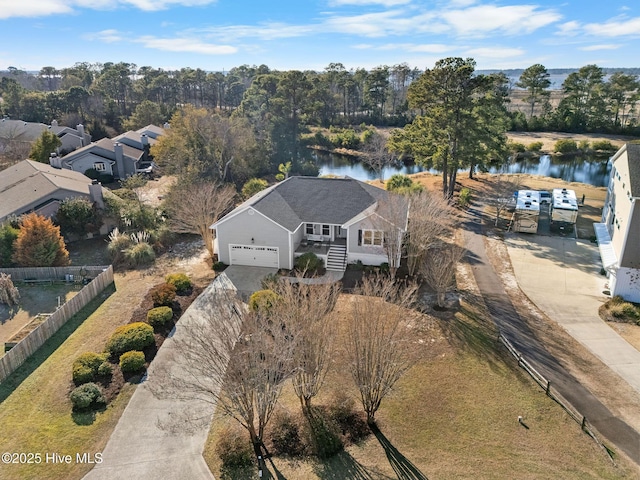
(338, 219)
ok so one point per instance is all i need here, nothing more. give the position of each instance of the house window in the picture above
(326, 230)
(309, 228)
(99, 166)
(372, 237)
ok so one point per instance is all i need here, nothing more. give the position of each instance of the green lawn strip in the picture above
(35, 413)
(455, 415)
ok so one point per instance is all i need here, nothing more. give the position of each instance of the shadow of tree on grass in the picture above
(342, 466)
(402, 466)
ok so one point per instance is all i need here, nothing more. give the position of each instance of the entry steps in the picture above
(337, 258)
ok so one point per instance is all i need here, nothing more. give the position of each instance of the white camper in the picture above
(527, 212)
(564, 209)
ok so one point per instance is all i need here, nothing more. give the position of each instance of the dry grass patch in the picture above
(454, 415)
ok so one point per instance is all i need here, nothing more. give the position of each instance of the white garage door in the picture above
(254, 256)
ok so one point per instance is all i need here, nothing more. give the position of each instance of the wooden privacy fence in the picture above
(27, 346)
(556, 396)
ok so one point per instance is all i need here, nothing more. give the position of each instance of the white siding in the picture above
(626, 283)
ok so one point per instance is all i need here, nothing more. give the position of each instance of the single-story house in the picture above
(341, 220)
(30, 186)
(618, 233)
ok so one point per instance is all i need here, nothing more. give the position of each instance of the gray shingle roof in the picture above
(316, 200)
(633, 157)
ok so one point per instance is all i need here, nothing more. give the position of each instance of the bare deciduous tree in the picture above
(235, 359)
(193, 208)
(377, 155)
(431, 217)
(390, 217)
(501, 193)
(439, 268)
(9, 294)
(379, 344)
(305, 309)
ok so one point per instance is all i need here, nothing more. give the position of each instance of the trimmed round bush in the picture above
(105, 369)
(566, 145)
(132, 362)
(163, 295)
(158, 317)
(285, 436)
(309, 262)
(263, 300)
(179, 280)
(87, 396)
(134, 336)
(85, 367)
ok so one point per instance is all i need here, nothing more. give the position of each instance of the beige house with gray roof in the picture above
(341, 220)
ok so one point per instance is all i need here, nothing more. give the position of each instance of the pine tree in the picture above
(39, 243)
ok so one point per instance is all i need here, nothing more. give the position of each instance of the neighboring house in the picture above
(17, 131)
(339, 219)
(30, 186)
(619, 233)
(122, 156)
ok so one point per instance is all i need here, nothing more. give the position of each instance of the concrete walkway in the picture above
(561, 276)
(143, 445)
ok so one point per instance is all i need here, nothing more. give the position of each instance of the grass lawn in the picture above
(454, 415)
(35, 412)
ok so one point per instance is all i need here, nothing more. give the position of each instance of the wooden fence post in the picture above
(584, 422)
(548, 387)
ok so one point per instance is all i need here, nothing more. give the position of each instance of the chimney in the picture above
(95, 193)
(55, 161)
(166, 125)
(54, 123)
(117, 148)
(144, 139)
(82, 135)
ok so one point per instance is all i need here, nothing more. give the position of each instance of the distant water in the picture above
(590, 170)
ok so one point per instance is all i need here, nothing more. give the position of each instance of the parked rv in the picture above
(563, 212)
(527, 212)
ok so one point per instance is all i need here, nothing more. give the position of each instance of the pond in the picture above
(592, 170)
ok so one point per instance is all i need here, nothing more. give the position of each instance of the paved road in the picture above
(520, 335)
(144, 446)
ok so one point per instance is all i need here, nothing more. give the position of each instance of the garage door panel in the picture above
(254, 255)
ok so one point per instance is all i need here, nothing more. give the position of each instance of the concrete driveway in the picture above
(247, 279)
(147, 442)
(562, 277)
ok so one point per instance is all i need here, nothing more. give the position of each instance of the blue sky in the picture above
(217, 35)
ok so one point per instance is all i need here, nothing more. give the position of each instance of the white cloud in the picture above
(607, 46)
(106, 36)
(385, 3)
(408, 47)
(495, 52)
(568, 29)
(615, 27)
(43, 8)
(32, 8)
(185, 45)
(267, 31)
(512, 20)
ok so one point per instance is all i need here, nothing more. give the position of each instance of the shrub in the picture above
(132, 362)
(398, 181)
(140, 254)
(234, 449)
(78, 216)
(263, 300)
(565, 146)
(219, 266)
(118, 243)
(105, 178)
(92, 173)
(158, 317)
(8, 235)
(325, 435)
(285, 437)
(535, 146)
(105, 369)
(384, 267)
(351, 422)
(515, 147)
(39, 243)
(309, 262)
(253, 186)
(603, 145)
(85, 367)
(86, 396)
(179, 280)
(134, 336)
(163, 295)
(9, 294)
(465, 197)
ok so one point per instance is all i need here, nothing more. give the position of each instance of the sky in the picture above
(216, 35)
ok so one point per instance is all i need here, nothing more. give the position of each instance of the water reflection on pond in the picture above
(592, 170)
